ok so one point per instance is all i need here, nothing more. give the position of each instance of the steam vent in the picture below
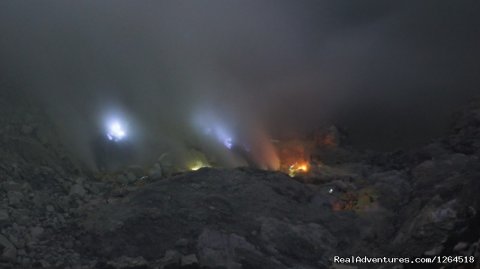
(239, 134)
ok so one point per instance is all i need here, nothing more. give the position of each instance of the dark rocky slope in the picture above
(53, 215)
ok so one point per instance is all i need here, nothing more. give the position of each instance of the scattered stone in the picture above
(9, 252)
(36, 232)
(15, 198)
(12, 186)
(77, 189)
(27, 129)
(4, 217)
(131, 177)
(216, 249)
(128, 262)
(136, 170)
(122, 179)
(434, 251)
(342, 266)
(460, 246)
(189, 261)
(181, 243)
(50, 208)
(171, 260)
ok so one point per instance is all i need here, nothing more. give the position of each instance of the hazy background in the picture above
(390, 71)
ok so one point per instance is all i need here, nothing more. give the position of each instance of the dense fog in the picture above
(173, 71)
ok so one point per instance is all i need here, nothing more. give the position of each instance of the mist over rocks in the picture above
(54, 213)
(382, 69)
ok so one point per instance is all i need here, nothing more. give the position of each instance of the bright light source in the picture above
(217, 129)
(194, 166)
(116, 131)
(298, 168)
(228, 142)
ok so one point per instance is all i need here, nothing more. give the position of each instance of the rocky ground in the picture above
(423, 202)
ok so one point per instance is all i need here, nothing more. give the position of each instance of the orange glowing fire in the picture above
(298, 168)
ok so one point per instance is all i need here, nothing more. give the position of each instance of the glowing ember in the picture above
(298, 168)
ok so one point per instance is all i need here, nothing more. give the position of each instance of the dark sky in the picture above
(390, 71)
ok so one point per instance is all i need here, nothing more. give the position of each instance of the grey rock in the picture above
(96, 187)
(9, 252)
(27, 129)
(189, 260)
(50, 208)
(136, 170)
(123, 179)
(434, 251)
(36, 232)
(17, 242)
(460, 246)
(131, 177)
(128, 262)
(171, 259)
(216, 249)
(312, 241)
(77, 189)
(4, 217)
(393, 187)
(342, 266)
(12, 186)
(429, 172)
(183, 242)
(79, 180)
(39, 199)
(15, 198)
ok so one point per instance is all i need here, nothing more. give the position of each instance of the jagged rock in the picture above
(182, 242)
(171, 260)
(136, 171)
(4, 217)
(430, 172)
(9, 252)
(303, 242)
(15, 198)
(460, 246)
(27, 129)
(12, 186)
(189, 261)
(128, 263)
(18, 242)
(50, 208)
(434, 251)
(77, 189)
(393, 188)
(216, 249)
(131, 177)
(123, 179)
(36, 232)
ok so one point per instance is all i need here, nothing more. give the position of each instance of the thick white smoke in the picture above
(256, 65)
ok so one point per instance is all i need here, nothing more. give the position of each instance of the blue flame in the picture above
(213, 127)
(116, 131)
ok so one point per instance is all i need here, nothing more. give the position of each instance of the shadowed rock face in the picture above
(267, 215)
(412, 203)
